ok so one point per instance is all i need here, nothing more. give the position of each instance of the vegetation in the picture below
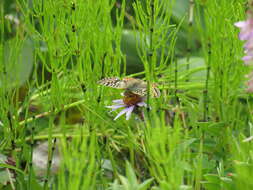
(55, 130)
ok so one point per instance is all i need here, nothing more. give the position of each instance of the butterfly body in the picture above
(133, 85)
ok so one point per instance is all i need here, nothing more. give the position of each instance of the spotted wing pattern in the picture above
(113, 82)
(139, 91)
(155, 92)
(136, 86)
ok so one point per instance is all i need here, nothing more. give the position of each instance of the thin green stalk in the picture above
(30, 166)
(49, 162)
(113, 162)
(175, 82)
(2, 23)
(44, 114)
(151, 71)
(205, 92)
(189, 36)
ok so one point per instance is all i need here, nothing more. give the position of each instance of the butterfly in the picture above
(133, 85)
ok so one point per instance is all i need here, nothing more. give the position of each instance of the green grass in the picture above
(195, 136)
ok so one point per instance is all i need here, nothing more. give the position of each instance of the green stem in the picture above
(151, 50)
(189, 41)
(175, 82)
(49, 163)
(31, 159)
(205, 92)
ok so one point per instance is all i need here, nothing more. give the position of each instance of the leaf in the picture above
(11, 167)
(145, 185)
(18, 62)
(210, 186)
(185, 144)
(185, 187)
(124, 182)
(194, 70)
(4, 178)
(115, 185)
(211, 127)
(180, 9)
(129, 41)
(213, 178)
(130, 174)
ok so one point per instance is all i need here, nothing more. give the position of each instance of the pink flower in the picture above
(250, 82)
(246, 28)
(246, 33)
(250, 85)
(248, 59)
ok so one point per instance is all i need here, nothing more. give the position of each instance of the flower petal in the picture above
(141, 104)
(121, 113)
(250, 85)
(128, 113)
(114, 107)
(240, 24)
(119, 101)
(247, 58)
(244, 35)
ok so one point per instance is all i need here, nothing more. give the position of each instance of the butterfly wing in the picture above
(135, 86)
(113, 82)
(156, 92)
(142, 91)
(139, 91)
